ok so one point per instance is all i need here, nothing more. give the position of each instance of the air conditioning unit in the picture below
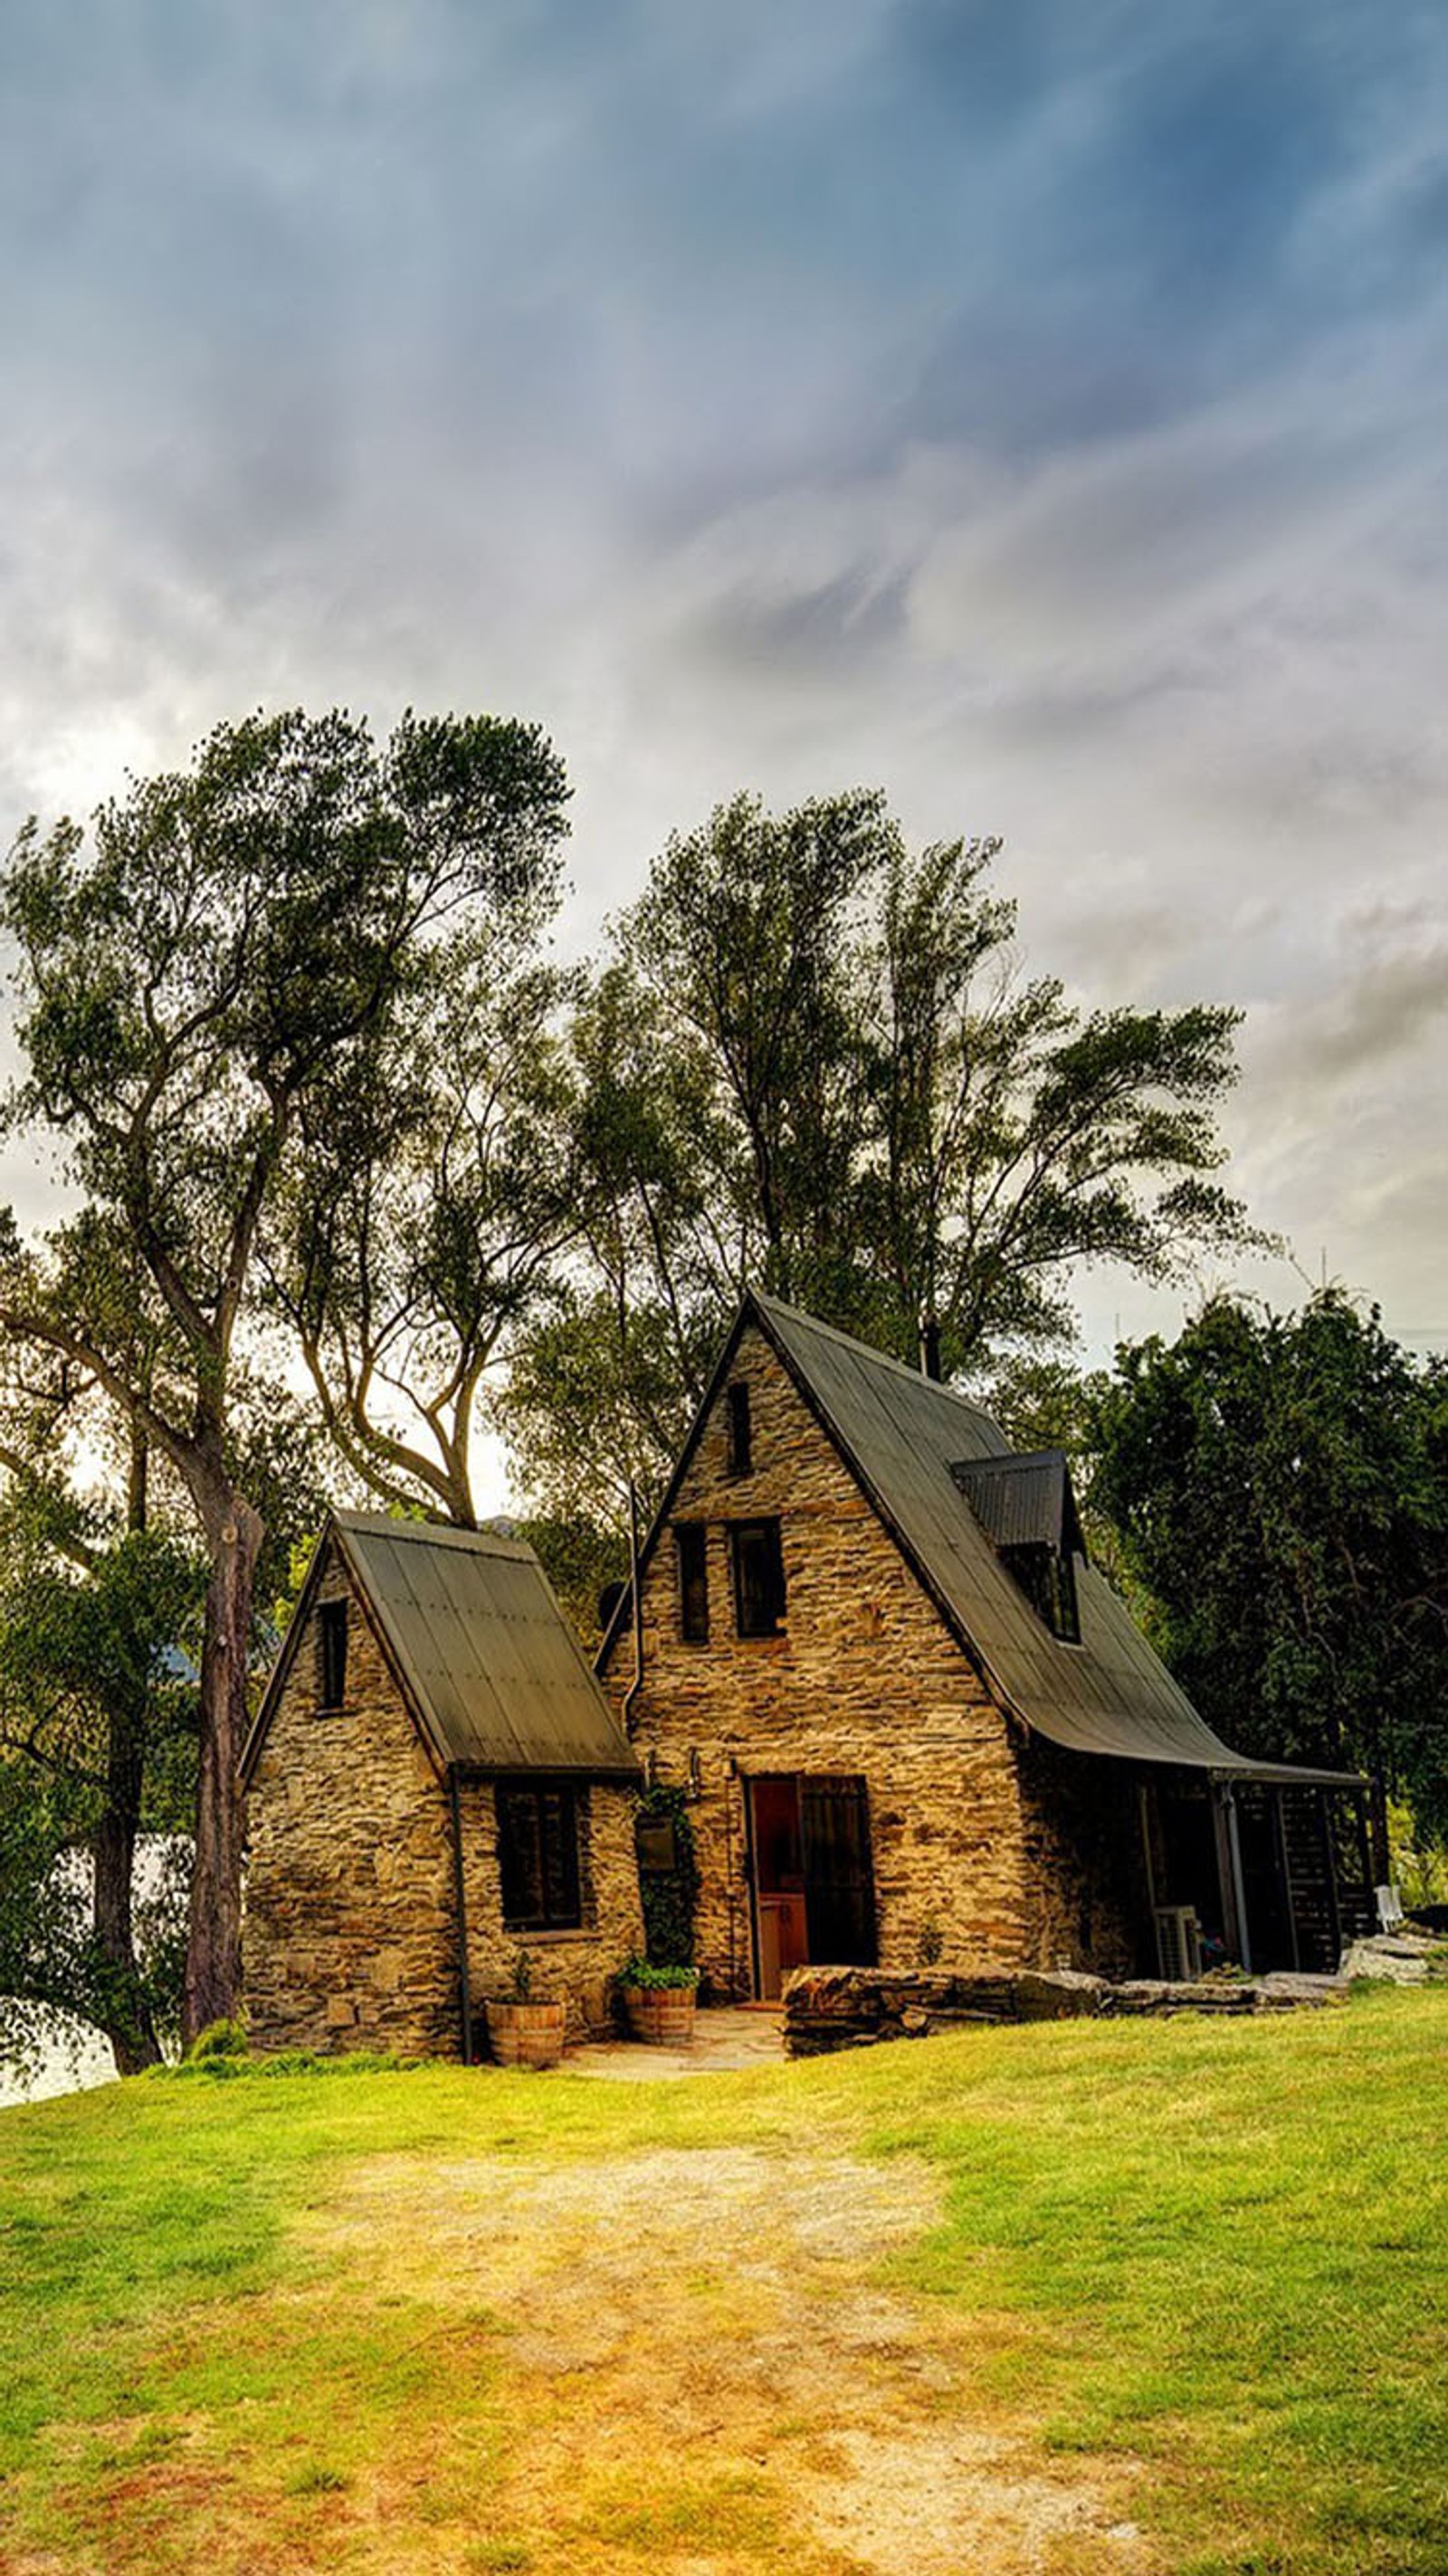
(1178, 1943)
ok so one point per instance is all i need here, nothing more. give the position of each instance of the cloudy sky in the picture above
(1035, 407)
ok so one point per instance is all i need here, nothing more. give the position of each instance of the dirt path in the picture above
(702, 2363)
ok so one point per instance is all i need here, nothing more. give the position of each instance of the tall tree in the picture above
(97, 1741)
(428, 1207)
(813, 1065)
(231, 941)
(1279, 1484)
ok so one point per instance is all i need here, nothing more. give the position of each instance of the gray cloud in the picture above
(1037, 409)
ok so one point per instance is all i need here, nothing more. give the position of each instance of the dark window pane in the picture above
(758, 1578)
(740, 1455)
(332, 1636)
(538, 1858)
(1047, 1576)
(693, 1582)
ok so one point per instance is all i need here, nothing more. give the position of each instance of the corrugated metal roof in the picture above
(907, 1437)
(1022, 1501)
(497, 1678)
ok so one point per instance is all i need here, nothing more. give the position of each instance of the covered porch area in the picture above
(1261, 1866)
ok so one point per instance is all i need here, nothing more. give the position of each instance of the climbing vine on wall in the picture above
(670, 1893)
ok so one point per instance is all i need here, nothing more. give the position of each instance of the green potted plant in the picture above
(525, 2029)
(659, 2002)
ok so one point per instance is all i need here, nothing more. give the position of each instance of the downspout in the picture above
(465, 1992)
(637, 1607)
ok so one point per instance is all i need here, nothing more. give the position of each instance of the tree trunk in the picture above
(124, 2016)
(213, 1947)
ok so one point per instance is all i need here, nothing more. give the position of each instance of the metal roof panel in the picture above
(480, 1643)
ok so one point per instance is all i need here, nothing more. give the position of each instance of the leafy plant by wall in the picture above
(669, 1895)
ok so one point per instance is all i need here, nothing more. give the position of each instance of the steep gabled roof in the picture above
(488, 1664)
(910, 1444)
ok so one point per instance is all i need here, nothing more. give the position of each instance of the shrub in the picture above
(655, 1979)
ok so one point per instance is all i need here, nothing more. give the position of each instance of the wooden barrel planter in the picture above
(663, 2015)
(526, 2034)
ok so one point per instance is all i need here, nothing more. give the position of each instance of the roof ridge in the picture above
(477, 1542)
(867, 1350)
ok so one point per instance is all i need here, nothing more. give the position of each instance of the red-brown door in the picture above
(813, 1885)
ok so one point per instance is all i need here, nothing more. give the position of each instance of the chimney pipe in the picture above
(929, 1347)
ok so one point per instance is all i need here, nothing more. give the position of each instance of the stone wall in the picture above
(348, 1939)
(350, 1932)
(866, 1679)
(577, 1965)
(1091, 1905)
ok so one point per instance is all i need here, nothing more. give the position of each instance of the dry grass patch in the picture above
(701, 2365)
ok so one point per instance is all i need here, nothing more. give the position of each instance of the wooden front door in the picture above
(813, 1885)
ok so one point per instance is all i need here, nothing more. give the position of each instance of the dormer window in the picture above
(1027, 1509)
(741, 1454)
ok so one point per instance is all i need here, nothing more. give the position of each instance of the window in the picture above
(1047, 1576)
(758, 1578)
(332, 1653)
(740, 1453)
(693, 1582)
(538, 1858)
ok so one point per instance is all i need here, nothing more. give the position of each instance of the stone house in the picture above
(435, 1782)
(916, 1726)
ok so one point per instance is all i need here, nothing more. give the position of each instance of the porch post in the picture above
(1229, 1867)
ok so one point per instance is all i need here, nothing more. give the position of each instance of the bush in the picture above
(653, 1979)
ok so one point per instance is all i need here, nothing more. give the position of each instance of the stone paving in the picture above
(725, 2038)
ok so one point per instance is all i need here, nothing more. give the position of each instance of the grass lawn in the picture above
(1164, 2296)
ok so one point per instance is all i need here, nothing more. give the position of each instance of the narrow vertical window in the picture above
(693, 1582)
(740, 1447)
(758, 1578)
(332, 1637)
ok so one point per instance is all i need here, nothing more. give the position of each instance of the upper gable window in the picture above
(758, 1578)
(693, 1582)
(741, 1443)
(332, 1654)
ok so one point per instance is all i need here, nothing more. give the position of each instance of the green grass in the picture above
(1216, 2250)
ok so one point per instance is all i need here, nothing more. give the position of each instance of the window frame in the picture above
(693, 1581)
(740, 1428)
(537, 1793)
(1047, 1577)
(333, 1625)
(772, 1620)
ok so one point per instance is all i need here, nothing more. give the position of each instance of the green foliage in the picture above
(810, 1066)
(226, 2064)
(219, 2040)
(99, 1627)
(1280, 1488)
(1418, 1866)
(651, 1978)
(210, 987)
(670, 1897)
